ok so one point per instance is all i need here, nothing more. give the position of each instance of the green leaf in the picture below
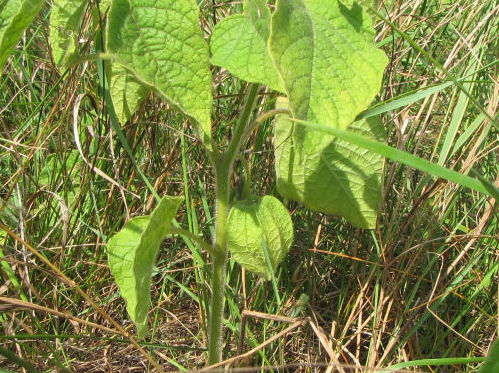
(132, 253)
(15, 16)
(491, 364)
(160, 42)
(328, 174)
(122, 248)
(126, 92)
(325, 54)
(324, 51)
(239, 44)
(65, 23)
(251, 220)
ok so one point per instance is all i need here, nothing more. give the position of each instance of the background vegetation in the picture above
(423, 285)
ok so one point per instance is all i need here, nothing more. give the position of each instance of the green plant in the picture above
(318, 89)
(276, 50)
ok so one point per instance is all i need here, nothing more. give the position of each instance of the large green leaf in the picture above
(15, 16)
(126, 92)
(161, 43)
(239, 44)
(324, 51)
(65, 23)
(253, 220)
(131, 255)
(327, 174)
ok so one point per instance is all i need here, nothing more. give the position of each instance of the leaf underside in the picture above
(160, 42)
(131, 256)
(328, 174)
(253, 220)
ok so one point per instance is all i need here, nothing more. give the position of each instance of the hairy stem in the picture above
(218, 269)
(223, 171)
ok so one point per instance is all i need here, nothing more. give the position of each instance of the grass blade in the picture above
(481, 186)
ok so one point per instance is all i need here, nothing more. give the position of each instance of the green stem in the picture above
(218, 268)
(223, 171)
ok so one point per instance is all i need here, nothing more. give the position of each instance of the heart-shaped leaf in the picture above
(160, 42)
(324, 51)
(251, 221)
(132, 253)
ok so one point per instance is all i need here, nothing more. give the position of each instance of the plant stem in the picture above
(223, 171)
(218, 268)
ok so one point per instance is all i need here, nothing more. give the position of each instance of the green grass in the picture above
(419, 291)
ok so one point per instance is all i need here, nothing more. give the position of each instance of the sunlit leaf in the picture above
(325, 54)
(160, 42)
(65, 22)
(327, 174)
(251, 221)
(324, 51)
(131, 256)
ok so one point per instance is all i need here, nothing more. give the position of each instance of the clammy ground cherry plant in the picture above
(317, 55)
